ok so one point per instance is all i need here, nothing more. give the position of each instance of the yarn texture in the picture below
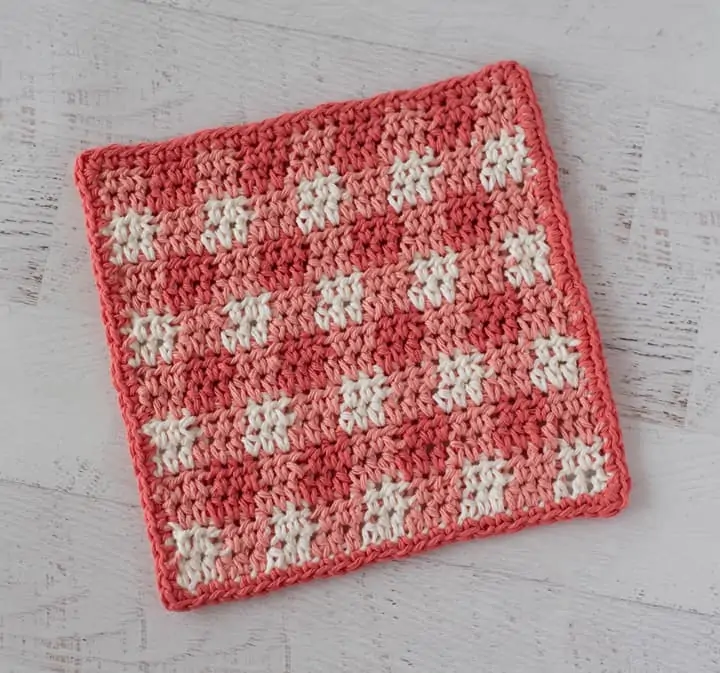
(349, 334)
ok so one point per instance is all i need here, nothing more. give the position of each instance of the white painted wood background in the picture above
(631, 93)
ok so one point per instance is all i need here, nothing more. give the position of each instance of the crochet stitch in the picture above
(349, 334)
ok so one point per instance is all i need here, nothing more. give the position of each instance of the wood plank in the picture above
(663, 52)
(77, 595)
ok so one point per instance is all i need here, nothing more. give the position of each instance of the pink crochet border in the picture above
(612, 500)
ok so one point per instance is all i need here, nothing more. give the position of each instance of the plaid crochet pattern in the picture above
(349, 334)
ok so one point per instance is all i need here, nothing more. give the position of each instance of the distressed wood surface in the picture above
(632, 100)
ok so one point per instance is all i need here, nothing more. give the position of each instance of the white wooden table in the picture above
(631, 93)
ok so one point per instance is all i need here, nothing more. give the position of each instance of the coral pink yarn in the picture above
(349, 334)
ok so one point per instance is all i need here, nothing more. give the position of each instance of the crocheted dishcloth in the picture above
(349, 334)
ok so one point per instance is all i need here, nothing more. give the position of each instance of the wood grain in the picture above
(632, 101)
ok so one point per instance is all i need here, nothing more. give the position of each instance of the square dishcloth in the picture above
(349, 334)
